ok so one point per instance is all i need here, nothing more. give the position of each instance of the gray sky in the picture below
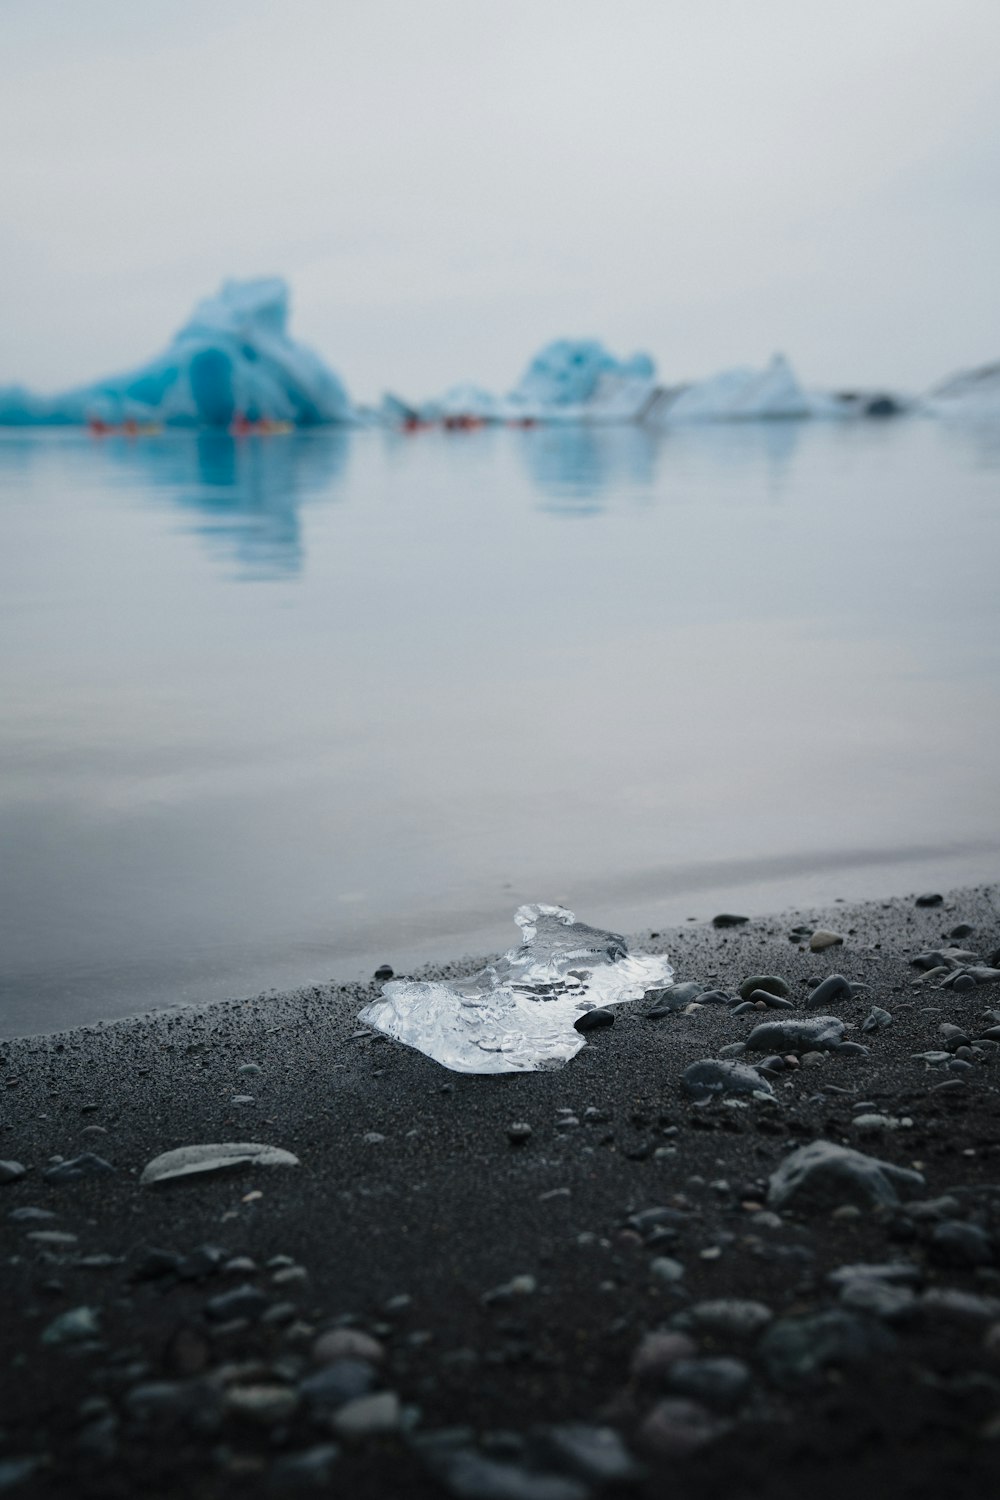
(447, 184)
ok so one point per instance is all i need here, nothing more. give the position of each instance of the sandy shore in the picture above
(508, 1288)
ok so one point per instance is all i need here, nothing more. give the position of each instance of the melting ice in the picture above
(517, 1015)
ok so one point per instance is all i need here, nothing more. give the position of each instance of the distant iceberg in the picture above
(233, 360)
(971, 394)
(567, 374)
(733, 395)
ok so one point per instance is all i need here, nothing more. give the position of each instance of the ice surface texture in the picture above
(517, 1015)
(567, 372)
(234, 356)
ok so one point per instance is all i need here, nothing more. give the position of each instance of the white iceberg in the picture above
(518, 1015)
(972, 394)
(734, 395)
(233, 360)
(565, 376)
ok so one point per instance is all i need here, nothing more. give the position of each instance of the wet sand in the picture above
(509, 1286)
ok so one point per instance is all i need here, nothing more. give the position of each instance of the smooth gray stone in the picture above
(85, 1165)
(797, 1350)
(720, 1382)
(833, 987)
(824, 1175)
(798, 1034)
(713, 1075)
(11, 1171)
(772, 984)
(594, 1454)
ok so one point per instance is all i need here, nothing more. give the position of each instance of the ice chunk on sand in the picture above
(233, 358)
(517, 1015)
(567, 372)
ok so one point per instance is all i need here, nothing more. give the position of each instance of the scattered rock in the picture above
(187, 1163)
(676, 1427)
(657, 1352)
(72, 1327)
(11, 1171)
(956, 1243)
(263, 1405)
(242, 1302)
(833, 987)
(730, 1317)
(799, 1034)
(594, 1020)
(468, 1474)
(822, 939)
(368, 1416)
(519, 1132)
(347, 1343)
(930, 898)
(665, 1268)
(824, 1175)
(711, 1076)
(85, 1165)
(720, 1383)
(729, 919)
(770, 984)
(876, 1020)
(383, 972)
(798, 1349)
(338, 1382)
(309, 1469)
(596, 1455)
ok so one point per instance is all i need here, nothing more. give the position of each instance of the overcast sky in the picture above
(447, 184)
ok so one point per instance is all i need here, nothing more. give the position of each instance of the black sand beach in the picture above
(509, 1287)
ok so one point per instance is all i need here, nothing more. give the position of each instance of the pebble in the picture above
(879, 1298)
(338, 1382)
(732, 1317)
(824, 1175)
(594, 1020)
(468, 1474)
(368, 1416)
(308, 1469)
(658, 1352)
(929, 898)
(55, 1238)
(518, 1286)
(967, 1307)
(249, 1067)
(769, 984)
(72, 1326)
(833, 987)
(347, 1343)
(85, 1165)
(711, 1076)
(263, 1405)
(665, 1268)
(955, 1243)
(797, 1349)
(718, 1382)
(383, 972)
(676, 1427)
(797, 1035)
(876, 1020)
(188, 1163)
(16, 1471)
(373, 1138)
(822, 939)
(11, 1171)
(729, 919)
(242, 1302)
(28, 1215)
(596, 1455)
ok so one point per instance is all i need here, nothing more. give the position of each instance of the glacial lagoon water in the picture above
(274, 710)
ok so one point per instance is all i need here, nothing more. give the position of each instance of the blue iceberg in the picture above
(568, 373)
(232, 362)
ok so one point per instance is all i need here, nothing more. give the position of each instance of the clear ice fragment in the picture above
(517, 1015)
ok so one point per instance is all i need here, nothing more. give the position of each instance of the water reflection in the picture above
(246, 493)
(573, 465)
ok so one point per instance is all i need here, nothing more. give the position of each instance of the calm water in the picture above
(276, 709)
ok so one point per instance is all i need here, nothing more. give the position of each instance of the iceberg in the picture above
(971, 394)
(732, 395)
(566, 374)
(518, 1014)
(233, 361)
